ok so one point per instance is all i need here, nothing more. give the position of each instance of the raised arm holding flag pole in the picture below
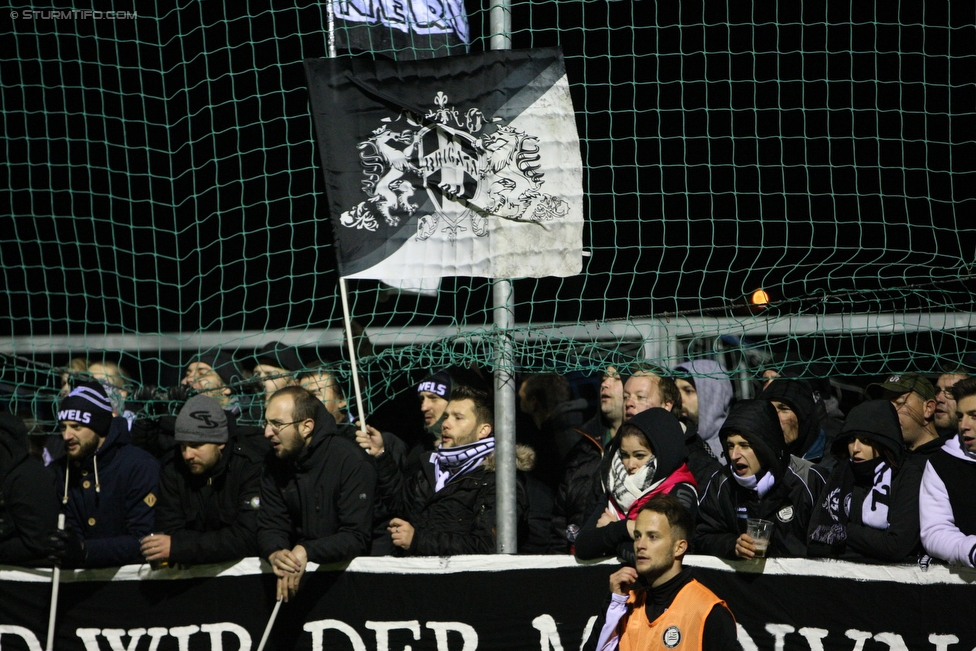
(457, 166)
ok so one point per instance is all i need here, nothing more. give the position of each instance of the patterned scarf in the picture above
(830, 515)
(628, 493)
(454, 462)
(624, 488)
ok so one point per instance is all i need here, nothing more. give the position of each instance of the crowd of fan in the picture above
(891, 481)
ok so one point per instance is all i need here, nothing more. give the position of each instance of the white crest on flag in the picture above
(469, 175)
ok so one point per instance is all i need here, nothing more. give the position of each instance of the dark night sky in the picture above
(162, 175)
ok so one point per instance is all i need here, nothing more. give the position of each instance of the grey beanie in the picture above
(201, 421)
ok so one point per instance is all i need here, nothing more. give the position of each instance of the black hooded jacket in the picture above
(726, 505)
(111, 498)
(323, 500)
(667, 440)
(29, 504)
(214, 517)
(876, 421)
(816, 428)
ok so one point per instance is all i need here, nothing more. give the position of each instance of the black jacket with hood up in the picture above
(323, 500)
(877, 421)
(29, 504)
(667, 440)
(726, 506)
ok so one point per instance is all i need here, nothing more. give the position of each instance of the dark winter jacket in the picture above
(579, 491)
(28, 499)
(459, 518)
(701, 462)
(213, 517)
(877, 421)
(556, 437)
(381, 543)
(726, 506)
(322, 501)
(113, 519)
(667, 443)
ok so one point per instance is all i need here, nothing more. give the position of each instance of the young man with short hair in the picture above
(658, 604)
(947, 501)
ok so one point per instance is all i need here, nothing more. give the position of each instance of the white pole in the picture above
(55, 583)
(267, 629)
(352, 351)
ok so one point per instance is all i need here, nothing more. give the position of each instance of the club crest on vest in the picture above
(671, 637)
(785, 514)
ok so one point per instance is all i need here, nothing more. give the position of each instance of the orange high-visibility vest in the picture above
(680, 627)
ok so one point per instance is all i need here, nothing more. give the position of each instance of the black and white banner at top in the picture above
(415, 29)
(458, 166)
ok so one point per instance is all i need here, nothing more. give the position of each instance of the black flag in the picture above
(465, 165)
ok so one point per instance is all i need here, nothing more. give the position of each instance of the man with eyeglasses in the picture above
(316, 492)
(946, 421)
(914, 398)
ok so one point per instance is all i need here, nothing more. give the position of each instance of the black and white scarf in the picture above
(831, 514)
(626, 488)
(454, 462)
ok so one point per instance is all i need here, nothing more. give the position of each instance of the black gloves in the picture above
(67, 549)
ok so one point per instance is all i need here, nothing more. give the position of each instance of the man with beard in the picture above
(209, 492)
(706, 394)
(947, 501)
(109, 485)
(447, 506)
(316, 492)
(658, 604)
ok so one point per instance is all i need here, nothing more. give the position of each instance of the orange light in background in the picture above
(759, 298)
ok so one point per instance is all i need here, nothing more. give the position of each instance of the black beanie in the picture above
(223, 365)
(88, 405)
(439, 384)
(280, 356)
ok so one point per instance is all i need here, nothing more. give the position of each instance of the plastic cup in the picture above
(759, 530)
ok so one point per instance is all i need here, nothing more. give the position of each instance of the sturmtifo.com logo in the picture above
(72, 14)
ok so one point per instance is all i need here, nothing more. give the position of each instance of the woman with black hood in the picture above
(758, 482)
(869, 505)
(645, 458)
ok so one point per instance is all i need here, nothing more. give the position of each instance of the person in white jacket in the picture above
(947, 502)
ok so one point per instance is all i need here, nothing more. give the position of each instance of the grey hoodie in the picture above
(714, 398)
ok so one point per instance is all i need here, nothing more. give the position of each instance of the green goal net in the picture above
(162, 192)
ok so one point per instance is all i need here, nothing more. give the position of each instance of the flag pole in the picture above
(352, 350)
(503, 304)
(55, 583)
